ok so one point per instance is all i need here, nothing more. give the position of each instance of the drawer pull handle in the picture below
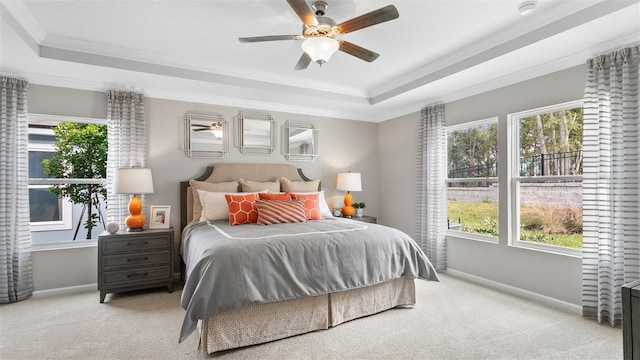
(138, 259)
(137, 275)
(137, 243)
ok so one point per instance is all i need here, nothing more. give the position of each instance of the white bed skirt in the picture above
(262, 322)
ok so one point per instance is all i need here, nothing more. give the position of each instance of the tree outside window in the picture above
(472, 179)
(548, 177)
(67, 166)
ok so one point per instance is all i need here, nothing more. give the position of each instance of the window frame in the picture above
(459, 233)
(66, 223)
(66, 214)
(514, 179)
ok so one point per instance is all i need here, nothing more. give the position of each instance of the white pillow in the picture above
(324, 207)
(214, 204)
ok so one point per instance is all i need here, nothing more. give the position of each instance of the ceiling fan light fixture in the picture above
(320, 49)
(217, 133)
(216, 130)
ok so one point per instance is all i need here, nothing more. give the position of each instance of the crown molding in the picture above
(483, 51)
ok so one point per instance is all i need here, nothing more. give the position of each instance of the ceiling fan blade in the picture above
(204, 129)
(304, 62)
(269, 38)
(358, 51)
(304, 13)
(371, 18)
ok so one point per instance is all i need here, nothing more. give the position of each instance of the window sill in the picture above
(63, 245)
(472, 236)
(550, 249)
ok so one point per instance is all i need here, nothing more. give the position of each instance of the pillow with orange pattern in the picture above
(311, 204)
(242, 208)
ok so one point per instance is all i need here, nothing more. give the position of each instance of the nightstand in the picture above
(365, 218)
(135, 260)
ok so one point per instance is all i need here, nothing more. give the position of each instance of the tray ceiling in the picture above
(436, 51)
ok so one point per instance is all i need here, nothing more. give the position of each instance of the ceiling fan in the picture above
(215, 128)
(321, 35)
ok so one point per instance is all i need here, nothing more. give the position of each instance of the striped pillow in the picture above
(280, 211)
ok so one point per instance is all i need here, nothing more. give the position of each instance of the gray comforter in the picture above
(231, 266)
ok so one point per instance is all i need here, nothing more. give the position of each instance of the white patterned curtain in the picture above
(611, 194)
(431, 203)
(15, 235)
(127, 138)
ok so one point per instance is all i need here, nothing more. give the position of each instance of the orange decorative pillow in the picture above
(276, 196)
(242, 208)
(280, 211)
(311, 205)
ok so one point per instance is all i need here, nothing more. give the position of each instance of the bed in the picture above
(250, 283)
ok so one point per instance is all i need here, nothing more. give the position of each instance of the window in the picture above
(62, 218)
(47, 211)
(546, 178)
(472, 180)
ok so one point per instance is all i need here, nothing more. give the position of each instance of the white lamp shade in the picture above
(320, 49)
(349, 182)
(133, 181)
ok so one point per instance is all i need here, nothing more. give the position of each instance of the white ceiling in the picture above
(436, 51)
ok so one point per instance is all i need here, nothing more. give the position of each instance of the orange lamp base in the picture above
(135, 221)
(348, 210)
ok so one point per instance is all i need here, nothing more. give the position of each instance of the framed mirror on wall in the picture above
(299, 141)
(255, 133)
(205, 135)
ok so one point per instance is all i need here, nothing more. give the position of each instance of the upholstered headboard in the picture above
(232, 172)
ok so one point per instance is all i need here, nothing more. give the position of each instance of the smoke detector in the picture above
(527, 8)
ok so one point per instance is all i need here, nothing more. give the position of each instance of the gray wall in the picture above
(344, 145)
(550, 275)
(57, 268)
(388, 178)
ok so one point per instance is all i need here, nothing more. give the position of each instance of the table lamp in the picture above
(134, 181)
(348, 182)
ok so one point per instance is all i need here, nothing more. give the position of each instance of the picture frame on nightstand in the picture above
(160, 217)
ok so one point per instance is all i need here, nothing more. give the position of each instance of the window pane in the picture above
(551, 213)
(35, 163)
(473, 152)
(473, 207)
(44, 205)
(551, 143)
(39, 138)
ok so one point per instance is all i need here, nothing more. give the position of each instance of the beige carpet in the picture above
(453, 320)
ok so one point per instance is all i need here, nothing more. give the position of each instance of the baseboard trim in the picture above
(65, 290)
(515, 291)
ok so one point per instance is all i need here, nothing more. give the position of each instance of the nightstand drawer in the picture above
(111, 262)
(135, 260)
(136, 244)
(122, 277)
